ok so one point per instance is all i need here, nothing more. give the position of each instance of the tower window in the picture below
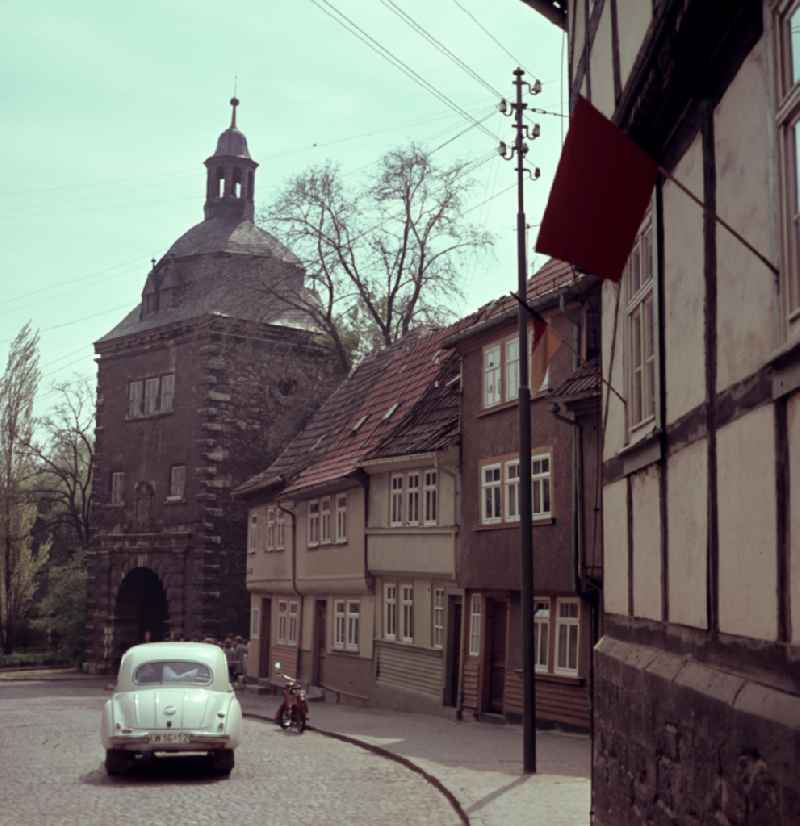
(237, 183)
(220, 183)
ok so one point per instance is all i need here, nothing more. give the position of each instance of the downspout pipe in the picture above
(295, 591)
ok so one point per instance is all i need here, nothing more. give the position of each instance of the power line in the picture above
(490, 35)
(353, 28)
(439, 46)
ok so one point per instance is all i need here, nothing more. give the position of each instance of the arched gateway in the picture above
(140, 606)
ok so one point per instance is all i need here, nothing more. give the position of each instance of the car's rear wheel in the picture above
(117, 761)
(222, 761)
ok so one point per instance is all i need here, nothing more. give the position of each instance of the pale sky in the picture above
(110, 110)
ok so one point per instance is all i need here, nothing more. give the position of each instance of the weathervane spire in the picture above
(234, 103)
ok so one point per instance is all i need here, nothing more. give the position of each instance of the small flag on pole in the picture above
(601, 190)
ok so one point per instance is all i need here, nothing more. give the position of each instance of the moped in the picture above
(293, 711)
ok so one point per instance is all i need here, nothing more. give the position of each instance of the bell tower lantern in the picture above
(231, 176)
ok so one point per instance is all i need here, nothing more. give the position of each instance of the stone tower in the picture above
(198, 388)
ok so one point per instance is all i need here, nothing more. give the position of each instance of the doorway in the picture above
(264, 665)
(140, 610)
(453, 660)
(496, 612)
(320, 639)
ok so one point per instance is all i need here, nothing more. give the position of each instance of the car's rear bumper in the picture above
(193, 741)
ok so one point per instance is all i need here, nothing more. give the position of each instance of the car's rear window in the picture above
(171, 672)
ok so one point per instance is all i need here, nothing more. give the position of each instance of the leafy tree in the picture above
(62, 610)
(379, 260)
(19, 565)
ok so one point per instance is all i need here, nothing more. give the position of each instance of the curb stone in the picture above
(381, 752)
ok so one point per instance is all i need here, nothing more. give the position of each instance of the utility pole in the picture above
(520, 150)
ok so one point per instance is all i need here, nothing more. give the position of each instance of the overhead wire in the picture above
(490, 35)
(349, 25)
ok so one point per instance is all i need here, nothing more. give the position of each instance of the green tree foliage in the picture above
(62, 610)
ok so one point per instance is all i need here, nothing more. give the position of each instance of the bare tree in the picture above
(18, 567)
(380, 260)
(63, 455)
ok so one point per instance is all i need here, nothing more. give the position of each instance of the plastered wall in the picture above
(615, 548)
(746, 484)
(601, 67)
(646, 544)
(633, 19)
(746, 295)
(688, 541)
(684, 287)
(793, 421)
(615, 428)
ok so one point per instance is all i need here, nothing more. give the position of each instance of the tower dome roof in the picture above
(232, 143)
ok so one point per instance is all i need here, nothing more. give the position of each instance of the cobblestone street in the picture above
(51, 772)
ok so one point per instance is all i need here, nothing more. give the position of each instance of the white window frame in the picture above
(406, 612)
(255, 624)
(787, 108)
(339, 624)
(494, 485)
(353, 642)
(271, 538)
(474, 625)
(430, 494)
(177, 492)
(511, 368)
(252, 528)
(511, 489)
(641, 372)
(565, 624)
(396, 499)
(313, 523)
(280, 529)
(167, 393)
(542, 481)
(541, 629)
(389, 610)
(325, 537)
(341, 517)
(135, 399)
(492, 375)
(437, 620)
(283, 622)
(118, 487)
(294, 622)
(413, 504)
(151, 387)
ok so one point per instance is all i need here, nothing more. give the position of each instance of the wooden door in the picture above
(496, 654)
(320, 639)
(265, 652)
(453, 662)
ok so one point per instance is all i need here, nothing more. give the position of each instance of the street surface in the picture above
(51, 773)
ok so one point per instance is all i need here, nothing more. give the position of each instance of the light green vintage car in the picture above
(172, 697)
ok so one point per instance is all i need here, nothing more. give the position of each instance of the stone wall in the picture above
(677, 741)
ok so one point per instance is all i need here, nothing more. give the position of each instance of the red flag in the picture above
(602, 188)
(539, 328)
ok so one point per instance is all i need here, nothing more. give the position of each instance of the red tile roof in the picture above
(333, 444)
(584, 381)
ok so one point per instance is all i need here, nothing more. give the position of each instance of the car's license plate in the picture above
(170, 737)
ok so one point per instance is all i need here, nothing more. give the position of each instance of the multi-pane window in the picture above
(118, 488)
(283, 621)
(437, 638)
(396, 505)
(390, 611)
(353, 625)
(252, 529)
(280, 530)
(412, 499)
(147, 397)
(567, 637)
(541, 628)
(294, 613)
(177, 481)
(512, 490)
(339, 623)
(490, 494)
(431, 495)
(325, 520)
(341, 517)
(512, 369)
(640, 327)
(540, 485)
(491, 376)
(475, 625)
(313, 522)
(788, 122)
(271, 538)
(407, 613)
